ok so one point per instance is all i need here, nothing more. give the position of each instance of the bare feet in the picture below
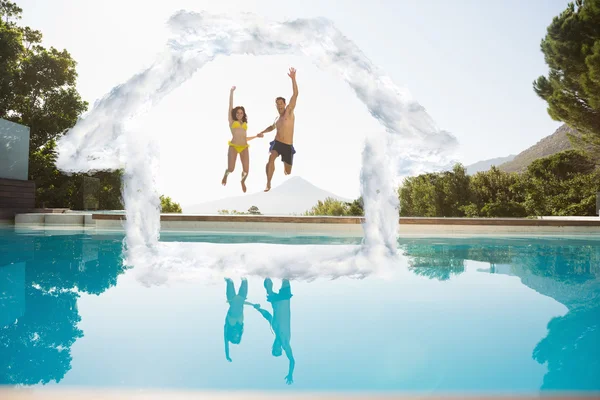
(244, 176)
(224, 181)
(268, 187)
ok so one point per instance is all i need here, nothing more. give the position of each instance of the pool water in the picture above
(493, 315)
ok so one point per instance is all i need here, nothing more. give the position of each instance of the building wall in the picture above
(14, 150)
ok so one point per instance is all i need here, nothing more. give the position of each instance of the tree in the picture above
(442, 194)
(565, 183)
(254, 211)
(495, 193)
(38, 90)
(421, 196)
(169, 206)
(571, 49)
(334, 207)
(9, 10)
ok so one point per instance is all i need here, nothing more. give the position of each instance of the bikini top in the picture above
(236, 124)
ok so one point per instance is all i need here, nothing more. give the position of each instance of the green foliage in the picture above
(571, 49)
(230, 212)
(562, 166)
(333, 207)
(456, 194)
(54, 189)
(495, 193)
(169, 206)
(435, 194)
(254, 211)
(565, 183)
(38, 90)
(251, 211)
(9, 10)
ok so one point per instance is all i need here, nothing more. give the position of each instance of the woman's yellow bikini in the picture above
(239, 147)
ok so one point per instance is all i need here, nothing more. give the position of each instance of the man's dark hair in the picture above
(280, 98)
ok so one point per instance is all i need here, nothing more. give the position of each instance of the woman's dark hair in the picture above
(234, 111)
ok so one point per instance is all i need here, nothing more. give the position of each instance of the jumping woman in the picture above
(238, 124)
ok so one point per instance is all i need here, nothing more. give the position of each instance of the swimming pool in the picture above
(488, 315)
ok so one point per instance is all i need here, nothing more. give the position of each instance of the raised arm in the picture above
(230, 105)
(226, 343)
(292, 105)
(289, 379)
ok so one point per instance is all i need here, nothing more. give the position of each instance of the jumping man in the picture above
(284, 138)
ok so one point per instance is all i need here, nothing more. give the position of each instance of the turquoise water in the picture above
(459, 315)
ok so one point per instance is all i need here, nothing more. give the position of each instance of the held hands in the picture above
(260, 135)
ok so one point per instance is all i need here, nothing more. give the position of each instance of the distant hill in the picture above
(548, 146)
(294, 196)
(487, 164)
(555, 143)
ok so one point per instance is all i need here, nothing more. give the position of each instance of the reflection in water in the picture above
(43, 277)
(234, 320)
(36, 337)
(567, 271)
(572, 350)
(435, 261)
(280, 322)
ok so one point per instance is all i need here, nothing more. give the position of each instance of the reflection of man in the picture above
(281, 322)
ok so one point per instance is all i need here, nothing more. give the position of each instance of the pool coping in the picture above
(314, 225)
(592, 221)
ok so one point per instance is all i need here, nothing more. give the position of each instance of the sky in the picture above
(471, 64)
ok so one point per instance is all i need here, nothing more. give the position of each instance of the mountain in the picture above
(484, 165)
(294, 196)
(548, 146)
(555, 143)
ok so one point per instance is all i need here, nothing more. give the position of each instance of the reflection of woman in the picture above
(234, 321)
(281, 322)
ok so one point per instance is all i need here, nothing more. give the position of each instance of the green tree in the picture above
(231, 212)
(169, 206)
(495, 193)
(356, 207)
(565, 183)
(254, 211)
(571, 49)
(442, 194)
(421, 196)
(38, 90)
(9, 10)
(334, 207)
